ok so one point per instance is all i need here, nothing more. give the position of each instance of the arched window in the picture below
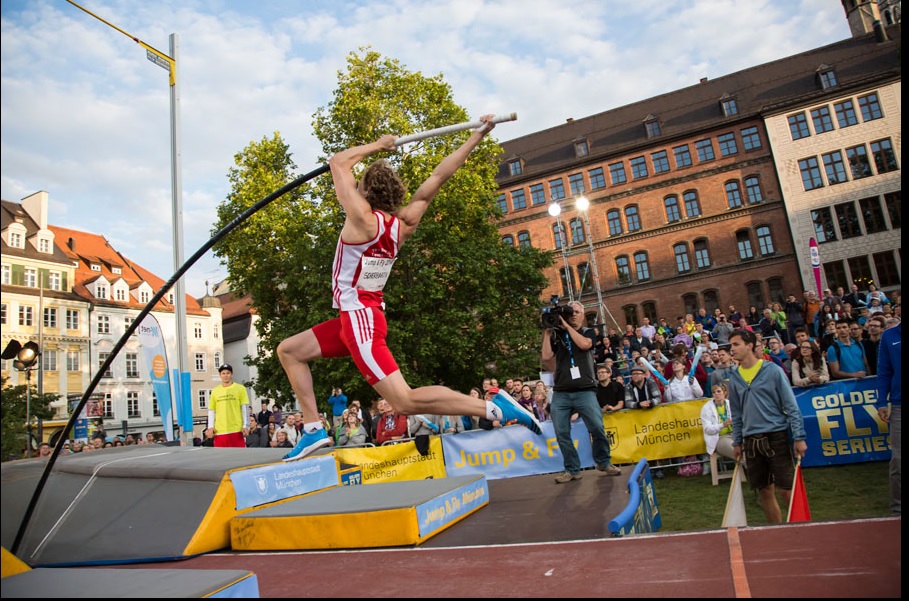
(753, 188)
(711, 301)
(524, 239)
(623, 270)
(509, 240)
(568, 283)
(650, 311)
(585, 277)
(777, 294)
(631, 314)
(733, 195)
(692, 204)
(632, 219)
(690, 301)
(672, 209)
(682, 262)
(765, 241)
(755, 295)
(614, 219)
(743, 242)
(558, 235)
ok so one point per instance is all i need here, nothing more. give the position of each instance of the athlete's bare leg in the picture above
(434, 400)
(295, 354)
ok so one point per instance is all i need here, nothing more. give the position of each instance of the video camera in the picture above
(550, 318)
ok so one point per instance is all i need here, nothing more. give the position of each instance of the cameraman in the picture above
(568, 352)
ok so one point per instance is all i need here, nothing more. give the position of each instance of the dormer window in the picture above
(44, 245)
(515, 167)
(652, 126)
(581, 148)
(95, 267)
(728, 105)
(101, 291)
(116, 270)
(826, 77)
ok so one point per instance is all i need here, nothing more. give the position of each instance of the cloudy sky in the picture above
(86, 116)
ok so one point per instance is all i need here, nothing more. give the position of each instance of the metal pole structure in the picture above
(28, 412)
(555, 209)
(583, 204)
(177, 187)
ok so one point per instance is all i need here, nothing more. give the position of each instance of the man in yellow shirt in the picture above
(228, 410)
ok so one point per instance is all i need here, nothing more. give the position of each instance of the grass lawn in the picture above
(840, 492)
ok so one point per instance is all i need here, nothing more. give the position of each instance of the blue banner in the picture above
(151, 339)
(278, 481)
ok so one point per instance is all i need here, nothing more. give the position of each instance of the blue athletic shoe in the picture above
(308, 443)
(512, 410)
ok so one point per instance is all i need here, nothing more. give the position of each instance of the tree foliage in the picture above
(12, 418)
(460, 303)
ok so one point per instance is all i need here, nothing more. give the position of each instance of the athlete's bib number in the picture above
(374, 273)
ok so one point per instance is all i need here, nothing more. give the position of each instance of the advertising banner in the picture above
(151, 339)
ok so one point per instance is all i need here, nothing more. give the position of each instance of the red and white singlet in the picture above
(361, 270)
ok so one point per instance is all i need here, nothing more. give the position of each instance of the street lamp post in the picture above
(555, 209)
(582, 205)
(26, 356)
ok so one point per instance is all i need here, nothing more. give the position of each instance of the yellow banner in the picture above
(396, 463)
(666, 431)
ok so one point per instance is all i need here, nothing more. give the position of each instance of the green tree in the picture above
(458, 300)
(12, 418)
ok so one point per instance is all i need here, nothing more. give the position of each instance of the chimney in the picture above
(71, 243)
(36, 207)
(703, 80)
(569, 120)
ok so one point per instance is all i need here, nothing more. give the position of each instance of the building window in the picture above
(885, 265)
(743, 242)
(107, 406)
(127, 322)
(101, 291)
(798, 126)
(576, 183)
(203, 399)
(43, 245)
(884, 159)
(567, 277)
(72, 319)
(54, 280)
(3, 315)
(102, 359)
(623, 270)
(73, 362)
(765, 241)
(750, 138)
(638, 168)
(775, 288)
(682, 156)
(132, 365)
(518, 201)
(650, 311)
(558, 235)
(144, 296)
(701, 254)
(197, 331)
(508, 239)
(660, 161)
(835, 167)
(116, 270)
(581, 149)
(119, 294)
(503, 206)
(16, 240)
(132, 404)
(617, 173)
(49, 360)
(597, 179)
(577, 231)
(811, 173)
(870, 107)
(200, 361)
(156, 411)
(859, 164)
(215, 334)
(705, 150)
(690, 302)
(893, 202)
(641, 266)
(845, 113)
(586, 278)
(827, 77)
(682, 262)
(824, 229)
(514, 167)
(556, 189)
(26, 315)
(30, 277)
(632, 219)
(692, 205)
(729, 107)
(104, 324)
(848, 220)
(537, 195)
(95, 267)
(733, 195)
(822, 120)
(727, 143)
(652, 127)
(860, 269)
(614, 221)
(672, 209)
(835, 272)
(217, 358)
(50, 317)
(7, 277)
(753, 189)
(524, 239)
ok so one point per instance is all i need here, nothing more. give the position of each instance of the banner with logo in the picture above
(151, 339)
(395, 463)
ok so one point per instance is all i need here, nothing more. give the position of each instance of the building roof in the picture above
(11, 212)
(760, 90)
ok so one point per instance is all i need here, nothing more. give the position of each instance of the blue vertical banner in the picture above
(151, 339)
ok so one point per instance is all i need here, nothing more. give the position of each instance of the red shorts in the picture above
(360, 335)
(234, 439)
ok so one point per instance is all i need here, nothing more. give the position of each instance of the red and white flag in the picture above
(735, 503)
(798, 503)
